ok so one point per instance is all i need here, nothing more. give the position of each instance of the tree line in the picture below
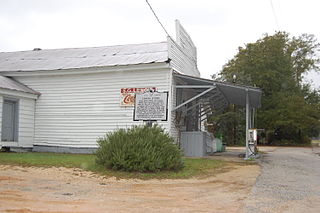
(277, 64)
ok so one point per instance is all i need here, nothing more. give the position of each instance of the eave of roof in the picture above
(10, 84)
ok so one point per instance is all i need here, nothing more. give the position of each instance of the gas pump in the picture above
(252, 143)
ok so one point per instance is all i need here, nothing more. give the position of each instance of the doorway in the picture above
(9, 120)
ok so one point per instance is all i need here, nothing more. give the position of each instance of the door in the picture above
(9, 119)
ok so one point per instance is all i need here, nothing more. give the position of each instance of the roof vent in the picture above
(36, 49)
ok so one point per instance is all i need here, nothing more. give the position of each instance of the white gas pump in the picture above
(252, 143)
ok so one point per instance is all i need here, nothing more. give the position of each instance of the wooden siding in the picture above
(174, 131)
(1, 104)
(181, 61)
(74, 110)
(26, 109)
(183, 53)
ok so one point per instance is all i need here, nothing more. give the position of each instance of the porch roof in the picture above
(11, 84)
(218, 93)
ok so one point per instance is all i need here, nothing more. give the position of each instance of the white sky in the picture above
(217, 28)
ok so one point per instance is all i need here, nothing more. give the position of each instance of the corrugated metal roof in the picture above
(234, 93)
(8, 83)
(70, 58)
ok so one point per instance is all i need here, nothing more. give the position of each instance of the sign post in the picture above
(151, 106)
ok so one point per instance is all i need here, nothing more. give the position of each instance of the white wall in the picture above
(1, 104)
(174, 131)
(26, 109)
(183, 52)
(26, 122)
(74, 110)
(181, 61)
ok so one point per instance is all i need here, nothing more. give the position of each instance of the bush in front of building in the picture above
(140, 148)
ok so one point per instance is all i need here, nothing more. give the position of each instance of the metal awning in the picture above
(225, 93)
(206, 96)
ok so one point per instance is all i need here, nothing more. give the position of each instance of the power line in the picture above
(168, 33)
(155, 15)
(274, 14)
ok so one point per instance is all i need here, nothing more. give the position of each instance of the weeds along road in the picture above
(289, 182)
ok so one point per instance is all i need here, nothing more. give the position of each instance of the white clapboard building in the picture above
(62, 100)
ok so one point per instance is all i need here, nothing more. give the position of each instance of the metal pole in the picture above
(149, 123)
(199, 120)
(247, 123)
(249, 126)
(253, 117)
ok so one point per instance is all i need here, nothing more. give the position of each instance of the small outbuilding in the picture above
(62, 100)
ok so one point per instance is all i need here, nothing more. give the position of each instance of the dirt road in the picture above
(61, 190)
(289, 182)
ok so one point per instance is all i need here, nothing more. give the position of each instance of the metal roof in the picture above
(10, 84)
(72, 58)
(231, 93)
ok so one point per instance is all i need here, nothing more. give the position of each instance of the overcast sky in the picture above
(217, 27)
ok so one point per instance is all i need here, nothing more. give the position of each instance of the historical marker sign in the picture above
(151, 106)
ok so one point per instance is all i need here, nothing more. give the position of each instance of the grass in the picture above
(194, 167)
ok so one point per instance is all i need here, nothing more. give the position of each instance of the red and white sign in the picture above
(127, 94)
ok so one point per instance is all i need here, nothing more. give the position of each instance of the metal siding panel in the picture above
(193, 144)
(74, 110)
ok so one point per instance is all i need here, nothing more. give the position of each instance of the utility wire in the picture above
(274, 15)
(168, 33)
(155, 15)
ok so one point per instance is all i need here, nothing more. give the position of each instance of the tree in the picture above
(230, 124)
(277, 64)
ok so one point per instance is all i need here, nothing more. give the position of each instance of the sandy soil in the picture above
(53, 190)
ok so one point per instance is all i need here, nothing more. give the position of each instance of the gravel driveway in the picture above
(289, 182)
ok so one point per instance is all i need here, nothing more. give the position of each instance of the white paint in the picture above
(174, 130)
(1, 104)
(181, 60)
(74, 110)
(26, 122)
(26, 109)
(77, 106)
(184, 40)
(17, 94)
(218, 28)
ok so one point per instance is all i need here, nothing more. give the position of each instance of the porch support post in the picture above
(247, 123)
(253, 118)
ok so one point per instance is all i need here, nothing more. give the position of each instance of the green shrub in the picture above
(140, 148)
